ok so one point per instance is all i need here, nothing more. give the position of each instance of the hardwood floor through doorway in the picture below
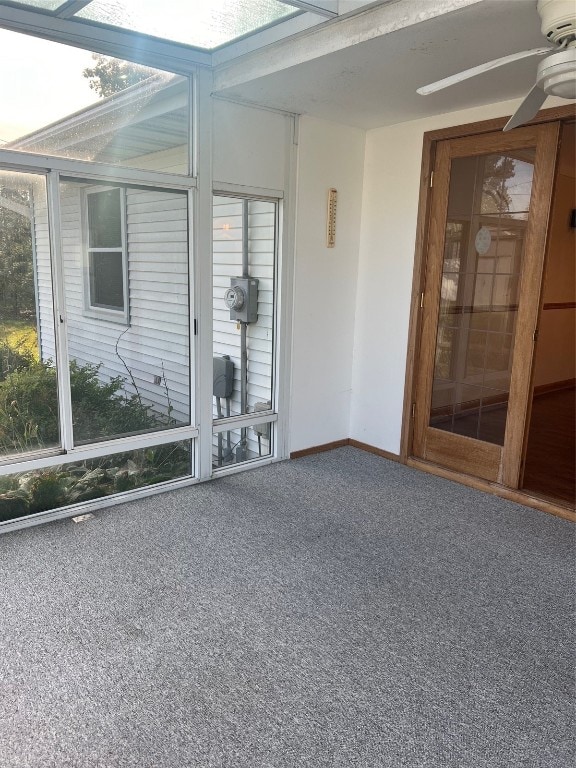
(551, 455)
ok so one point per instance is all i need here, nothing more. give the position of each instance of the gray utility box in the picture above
(223, 376)
(242, 299)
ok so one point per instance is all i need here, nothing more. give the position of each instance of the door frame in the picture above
(430, 142)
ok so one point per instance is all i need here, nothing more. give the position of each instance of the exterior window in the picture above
(107, 268)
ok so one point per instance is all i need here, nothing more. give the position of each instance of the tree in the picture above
(16, 264)
(498, 170)
(109, 75)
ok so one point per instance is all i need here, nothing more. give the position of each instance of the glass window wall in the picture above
(244, 269)
(67, 102)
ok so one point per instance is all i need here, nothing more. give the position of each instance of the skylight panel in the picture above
(46, 5)
(205, 24)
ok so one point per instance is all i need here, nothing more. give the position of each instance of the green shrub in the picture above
(13, 504)
(29, 419)
(29, 408)
(14, 358)
(100, 410)
(45, 490)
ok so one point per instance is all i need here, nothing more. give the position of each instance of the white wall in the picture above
(249, 146)
(329, 155)
(389, 215)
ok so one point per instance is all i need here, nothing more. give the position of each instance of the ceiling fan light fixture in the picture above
(558, 19)
(557, 74)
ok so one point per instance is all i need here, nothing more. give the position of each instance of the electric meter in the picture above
(242, 299)
(234, 298)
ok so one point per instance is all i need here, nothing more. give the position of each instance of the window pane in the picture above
(235, 446)
(130, 372)
(48, 5)
(204, 25)
(485, 232)
(244, 258)
(43, 490)
(106, 280)
(29, 418)
(63, 101)
(104, 219)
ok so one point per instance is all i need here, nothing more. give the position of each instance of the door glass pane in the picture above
(488, 205)
(127, 309)
(29, 418)
(244, 247)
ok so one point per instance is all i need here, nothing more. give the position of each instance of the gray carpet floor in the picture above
(337, 610)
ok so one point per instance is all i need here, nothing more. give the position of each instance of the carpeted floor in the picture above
(338, 610)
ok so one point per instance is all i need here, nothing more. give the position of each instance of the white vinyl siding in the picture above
(155, 343)
(227, 263)
(44, 294)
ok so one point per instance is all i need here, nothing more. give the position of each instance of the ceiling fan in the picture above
(556, 74)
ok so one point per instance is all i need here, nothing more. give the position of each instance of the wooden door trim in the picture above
(429, 304)
(429, 145)
(418, 272)
(496, 124)
(529, 294)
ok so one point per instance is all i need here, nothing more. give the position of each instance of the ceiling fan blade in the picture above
(465, 74)
(529, 107)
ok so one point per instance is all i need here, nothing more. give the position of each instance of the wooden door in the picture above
(487, 234)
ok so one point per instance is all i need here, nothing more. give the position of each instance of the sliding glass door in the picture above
(127, 300)
(95, 344)
(29, 408)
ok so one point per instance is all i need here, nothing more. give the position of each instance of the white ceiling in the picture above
(371, 79)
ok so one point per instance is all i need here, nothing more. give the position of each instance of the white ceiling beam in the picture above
(327, 8)
(331, 37)
(71, 7)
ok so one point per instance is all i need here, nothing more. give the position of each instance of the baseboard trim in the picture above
(319, 448)
(341, 444)
(378, 451)
(555, 386)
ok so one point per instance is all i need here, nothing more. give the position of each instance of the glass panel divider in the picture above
(62, 361)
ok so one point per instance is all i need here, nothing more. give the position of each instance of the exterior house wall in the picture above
(227, 262)
(389, 217)
(250, 151)
(45, 318)
(156, 341)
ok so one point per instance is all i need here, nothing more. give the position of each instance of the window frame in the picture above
(109, 314)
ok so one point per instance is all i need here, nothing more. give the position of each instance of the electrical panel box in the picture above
(242, 299)
(223, 376)
(262, 429)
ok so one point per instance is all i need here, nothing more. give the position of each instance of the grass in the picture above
(20, 334)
